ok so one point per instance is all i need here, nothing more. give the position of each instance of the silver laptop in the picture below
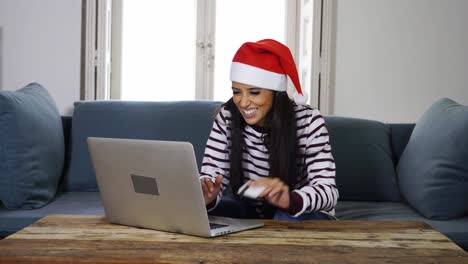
(154, 184)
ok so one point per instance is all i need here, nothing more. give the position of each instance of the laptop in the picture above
(154, 184)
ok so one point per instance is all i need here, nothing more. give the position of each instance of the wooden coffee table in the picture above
(91, 239)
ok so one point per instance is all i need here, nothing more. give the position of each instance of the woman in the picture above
(262, 139)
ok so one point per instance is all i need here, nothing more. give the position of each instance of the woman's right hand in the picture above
(210, 188)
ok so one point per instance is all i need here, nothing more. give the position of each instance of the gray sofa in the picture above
(366, 152)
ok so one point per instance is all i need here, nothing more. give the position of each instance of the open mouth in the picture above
(249, 113)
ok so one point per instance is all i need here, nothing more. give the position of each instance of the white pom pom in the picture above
(300, 99)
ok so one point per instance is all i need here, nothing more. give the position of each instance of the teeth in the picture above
(249, 112)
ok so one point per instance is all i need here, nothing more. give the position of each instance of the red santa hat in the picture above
(266, 64)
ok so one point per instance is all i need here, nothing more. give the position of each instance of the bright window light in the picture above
(240, 21)
(158, 50)
(158, 44)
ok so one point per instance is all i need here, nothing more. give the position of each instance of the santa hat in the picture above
(266, 64)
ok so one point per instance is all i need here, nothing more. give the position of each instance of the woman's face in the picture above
(254, 103)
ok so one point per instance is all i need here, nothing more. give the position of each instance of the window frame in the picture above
(102, 66)
(97, 57)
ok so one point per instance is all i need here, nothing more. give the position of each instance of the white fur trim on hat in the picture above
(300, 99)
(247, 74)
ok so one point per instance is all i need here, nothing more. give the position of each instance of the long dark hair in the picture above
(280, 139)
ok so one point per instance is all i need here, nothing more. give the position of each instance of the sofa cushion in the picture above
(433, 169)
(456, 230)
(364, 164)
(399, 137)
(178, 121)
(81, 203)
(31, 147)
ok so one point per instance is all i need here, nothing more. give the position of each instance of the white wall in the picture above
(41, 42)
(393, 58)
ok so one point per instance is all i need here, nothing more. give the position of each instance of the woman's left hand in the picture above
(276, 192)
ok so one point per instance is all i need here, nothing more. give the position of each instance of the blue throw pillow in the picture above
(433, 169)
(31, 147)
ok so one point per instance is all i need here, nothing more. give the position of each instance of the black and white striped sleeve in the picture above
(216, 157)
(319, 193)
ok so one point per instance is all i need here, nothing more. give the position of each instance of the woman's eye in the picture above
(235, 92)
(254, 93)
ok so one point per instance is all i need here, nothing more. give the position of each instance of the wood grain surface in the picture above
(91, 239)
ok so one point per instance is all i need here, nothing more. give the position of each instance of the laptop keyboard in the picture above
(214, 226)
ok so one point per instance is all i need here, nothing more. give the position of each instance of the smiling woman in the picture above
(253, 103)
(261, 140)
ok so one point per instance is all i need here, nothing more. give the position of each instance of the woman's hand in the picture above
(210, 188)
(276, 192)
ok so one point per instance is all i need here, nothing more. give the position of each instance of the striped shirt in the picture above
(316, 178)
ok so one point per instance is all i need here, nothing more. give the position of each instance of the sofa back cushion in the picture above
(178, 121)
(364, 166)
(399, 137)
(31, 147)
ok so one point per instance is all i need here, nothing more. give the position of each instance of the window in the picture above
(239, 21)
(158, 52)
(163, 51)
